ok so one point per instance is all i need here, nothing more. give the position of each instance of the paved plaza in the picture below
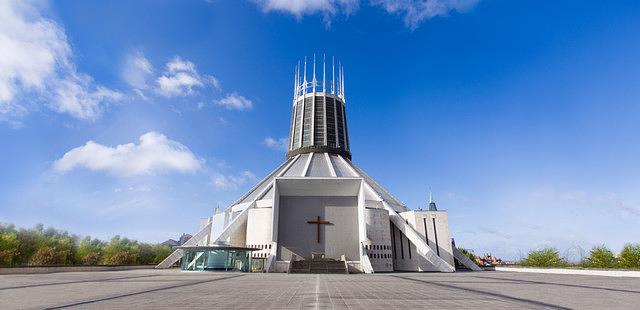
(171, 289)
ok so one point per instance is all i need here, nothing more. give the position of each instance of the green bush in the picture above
(162, 251)
(47, 255)
(40, 246)
(600, 257)
(146, 255)
(91, 259)
(630, 256)
(9, 244)
(468, 253)
(121, 251)
(89, 251)
(547, 257)
(120, 258)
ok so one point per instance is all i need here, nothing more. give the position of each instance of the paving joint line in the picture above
(494, 295)
(141, 292)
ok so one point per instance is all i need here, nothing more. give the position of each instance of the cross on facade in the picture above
(319, 222)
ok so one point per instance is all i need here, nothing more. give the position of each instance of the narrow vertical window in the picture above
(401, 247)
(426, 234)
(393, 237)
(409, 247)
(435, 236)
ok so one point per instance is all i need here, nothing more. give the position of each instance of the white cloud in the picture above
(415, 11)
(281, 144)
(232, 182)
(36, 66)
(181, 77)
(136, 71)
(73, 96)
(235, 102)
(298, 8)
(155, 153)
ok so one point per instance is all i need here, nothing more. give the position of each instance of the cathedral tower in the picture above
(318, 206)
(318, 117)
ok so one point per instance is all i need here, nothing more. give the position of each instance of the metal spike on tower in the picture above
(318, 122)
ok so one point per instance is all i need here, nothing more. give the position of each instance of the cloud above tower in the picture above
(153, 153)
(137, 71)
(234, 101)
(299, 8)
(278, 144)
(412, 11)
(37, 67)
(416, 11)
(232, 182)
(180, 78)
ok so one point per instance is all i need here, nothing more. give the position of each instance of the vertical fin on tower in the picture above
(304, 80)
(339, 79)
(324, 74)
(342, 81)
(333, 76)
(314, 82)
(295, 84)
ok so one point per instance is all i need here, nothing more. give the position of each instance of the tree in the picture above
(89, 252)
(9, 245)
(600, 257)
(121, 251)
(146, 255)
(547, 257)
(161, 251)
(47, 255)
(630, 256)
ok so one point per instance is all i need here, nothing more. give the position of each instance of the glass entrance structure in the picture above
(216, 258)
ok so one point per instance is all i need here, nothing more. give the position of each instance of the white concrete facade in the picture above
(319, 202)
(366, 225)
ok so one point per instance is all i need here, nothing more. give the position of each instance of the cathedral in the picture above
(318, 211)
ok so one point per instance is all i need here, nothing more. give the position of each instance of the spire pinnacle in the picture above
(324, 74)
(295, 83)
(339, 77)
(333, 76)
(342, 81)
(305, 70)
(314, 82)
(432, 204)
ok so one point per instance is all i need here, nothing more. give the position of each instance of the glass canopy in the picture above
(216, 258)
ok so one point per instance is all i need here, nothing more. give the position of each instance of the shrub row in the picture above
(39, 246)
(599, 257)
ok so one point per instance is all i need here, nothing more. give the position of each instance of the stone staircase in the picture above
(318, 266)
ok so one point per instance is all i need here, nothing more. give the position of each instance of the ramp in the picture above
(464, 260)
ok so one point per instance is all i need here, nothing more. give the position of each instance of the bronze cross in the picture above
(319, 222)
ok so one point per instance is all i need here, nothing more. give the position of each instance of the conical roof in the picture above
(321, 165)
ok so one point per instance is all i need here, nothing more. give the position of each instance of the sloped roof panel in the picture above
(342, 170)
(319, 166)
(297, 169)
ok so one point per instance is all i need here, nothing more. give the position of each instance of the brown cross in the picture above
(319, 222)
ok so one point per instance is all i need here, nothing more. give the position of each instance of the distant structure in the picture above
(318, 211)
(175, 243)
(432, 204)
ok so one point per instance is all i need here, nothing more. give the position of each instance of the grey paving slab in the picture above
(173, 289)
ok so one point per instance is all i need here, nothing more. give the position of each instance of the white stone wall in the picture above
(296, 236)
(259, 231)
(219, 222)
(239, 237)
(409, 260)
(379, 235)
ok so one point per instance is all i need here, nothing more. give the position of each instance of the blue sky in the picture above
(139, 118)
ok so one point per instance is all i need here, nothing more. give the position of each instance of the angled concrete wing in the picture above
(177, 254)
(463, 259)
